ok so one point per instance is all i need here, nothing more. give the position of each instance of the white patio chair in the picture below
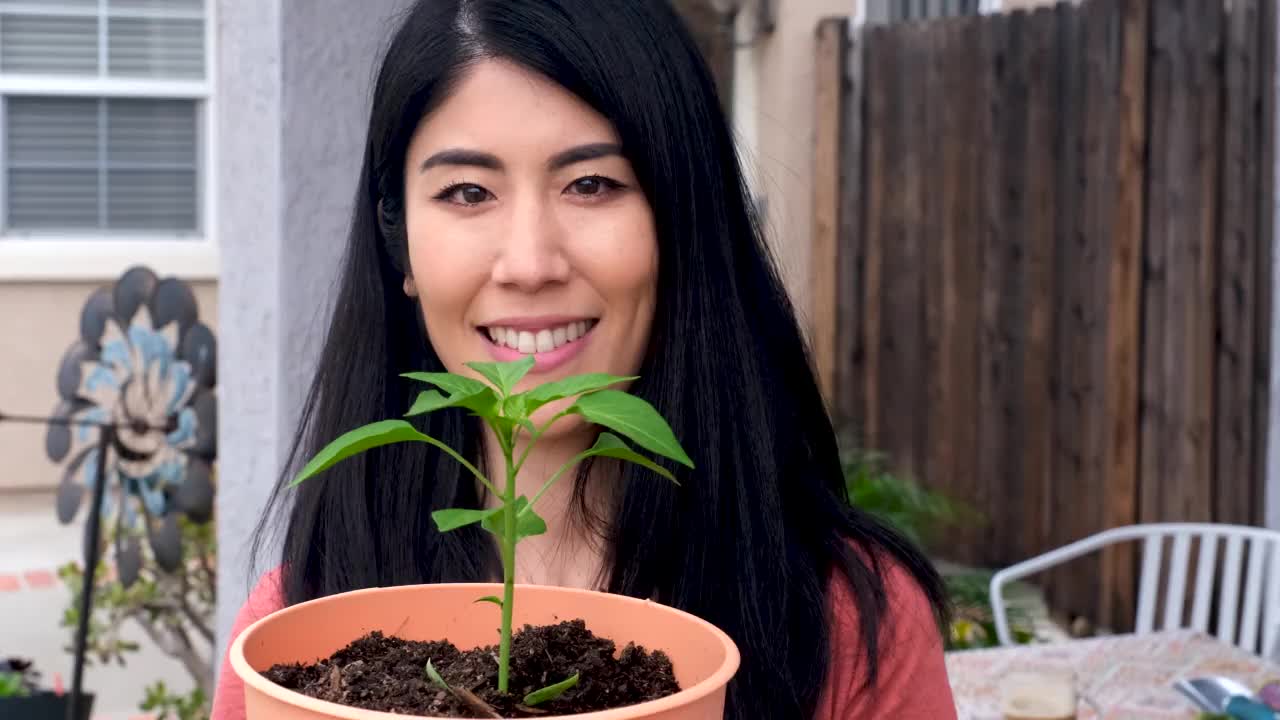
(1261, 587)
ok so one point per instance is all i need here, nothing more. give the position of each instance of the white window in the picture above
(882, 12)
(105, 142)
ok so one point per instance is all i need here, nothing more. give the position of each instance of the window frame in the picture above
(859, 16)
(94, 255)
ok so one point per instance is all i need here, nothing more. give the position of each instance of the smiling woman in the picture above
(556, 179)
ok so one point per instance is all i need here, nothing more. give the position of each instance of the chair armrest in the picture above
(1043, 562)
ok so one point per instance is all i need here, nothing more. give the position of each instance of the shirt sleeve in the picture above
(265, 598)
(911, 681)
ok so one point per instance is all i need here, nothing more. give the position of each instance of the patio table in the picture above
(1129, 676)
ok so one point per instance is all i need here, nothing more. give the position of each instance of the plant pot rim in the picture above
(711, 684)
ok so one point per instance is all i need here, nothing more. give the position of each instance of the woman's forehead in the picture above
(506, 109)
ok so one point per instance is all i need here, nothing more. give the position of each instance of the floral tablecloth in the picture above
(1129, 676)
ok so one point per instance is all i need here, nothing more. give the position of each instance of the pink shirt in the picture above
(912, 682)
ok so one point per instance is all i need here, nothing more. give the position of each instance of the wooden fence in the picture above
(1042, 267)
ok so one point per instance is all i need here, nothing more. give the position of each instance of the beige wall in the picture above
(38, 322)
(774, 109)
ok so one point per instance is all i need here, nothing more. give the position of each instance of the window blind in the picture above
(106, 164)
(101, 163)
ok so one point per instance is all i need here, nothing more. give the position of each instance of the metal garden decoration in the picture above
(136, 426)
(145, 364)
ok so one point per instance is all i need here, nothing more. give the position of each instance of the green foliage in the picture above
(920, 514)
(973, 625)
(510, 415)
(917, 512)
(12, 684)
(170, 706)
(175, 610)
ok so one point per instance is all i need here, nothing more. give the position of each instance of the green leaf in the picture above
(504, 376)
(448, 382)
(435, 676)
(515, 407)
(491, 599)
(547, 694)
(610, 445)
(482, 402)
(455, 518)
(568, 387)
(374, 435)
(528, 522)
(634, 419)
(506, 427)
(386, 432)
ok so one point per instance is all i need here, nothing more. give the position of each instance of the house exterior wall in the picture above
(773, 110)
(293, 92)
(38, 322)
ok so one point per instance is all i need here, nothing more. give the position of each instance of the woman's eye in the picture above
(587, 186)
(464, 194)
(593, 186)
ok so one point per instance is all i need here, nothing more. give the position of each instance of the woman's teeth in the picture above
(541, 341)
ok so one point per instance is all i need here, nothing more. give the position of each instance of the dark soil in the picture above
(388, 674)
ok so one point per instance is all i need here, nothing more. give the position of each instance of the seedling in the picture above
(509, 415)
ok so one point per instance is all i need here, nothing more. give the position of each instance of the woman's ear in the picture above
(409, 288)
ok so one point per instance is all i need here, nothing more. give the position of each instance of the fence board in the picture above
(850, 347)
(993, 376)
(939, 130)
(1039, 216)
(1068, 374)
(1233, 419)
(901, 330)
(1120, 420)
(1183, 189)
(1266, 247)
(879, 60)
(829, 59)
(963, 266)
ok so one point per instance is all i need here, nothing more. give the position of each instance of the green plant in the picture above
(175, 609)
(919, 513)
(509, 415)
(915, 511)
(170, 706)
(11, 685)
(18, 678)
(973, 624)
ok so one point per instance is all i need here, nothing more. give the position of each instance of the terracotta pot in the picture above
(704, 658)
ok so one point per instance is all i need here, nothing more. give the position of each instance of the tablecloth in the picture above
(1129, 676)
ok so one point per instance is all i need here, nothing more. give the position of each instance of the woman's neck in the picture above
(569, 554)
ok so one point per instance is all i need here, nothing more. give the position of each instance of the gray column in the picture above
(292, 92)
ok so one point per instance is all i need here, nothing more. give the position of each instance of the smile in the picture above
(539, 341)
(551, 344)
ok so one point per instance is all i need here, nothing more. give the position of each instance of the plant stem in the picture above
(508, 574)
(573, 462)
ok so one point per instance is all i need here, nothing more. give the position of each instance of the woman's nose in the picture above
(532, 253)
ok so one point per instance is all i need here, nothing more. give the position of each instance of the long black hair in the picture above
(750, 540)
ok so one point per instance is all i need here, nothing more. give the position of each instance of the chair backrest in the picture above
(1249, 621)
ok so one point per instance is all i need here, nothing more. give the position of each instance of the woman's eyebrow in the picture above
(488, 161)
(460, 156)
(582, 153)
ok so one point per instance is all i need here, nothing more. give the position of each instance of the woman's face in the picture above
(527, 231)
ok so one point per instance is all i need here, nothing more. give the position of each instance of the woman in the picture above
(555, 177)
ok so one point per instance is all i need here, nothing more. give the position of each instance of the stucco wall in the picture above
(293, 91)
(38, 322)
(774, 116)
